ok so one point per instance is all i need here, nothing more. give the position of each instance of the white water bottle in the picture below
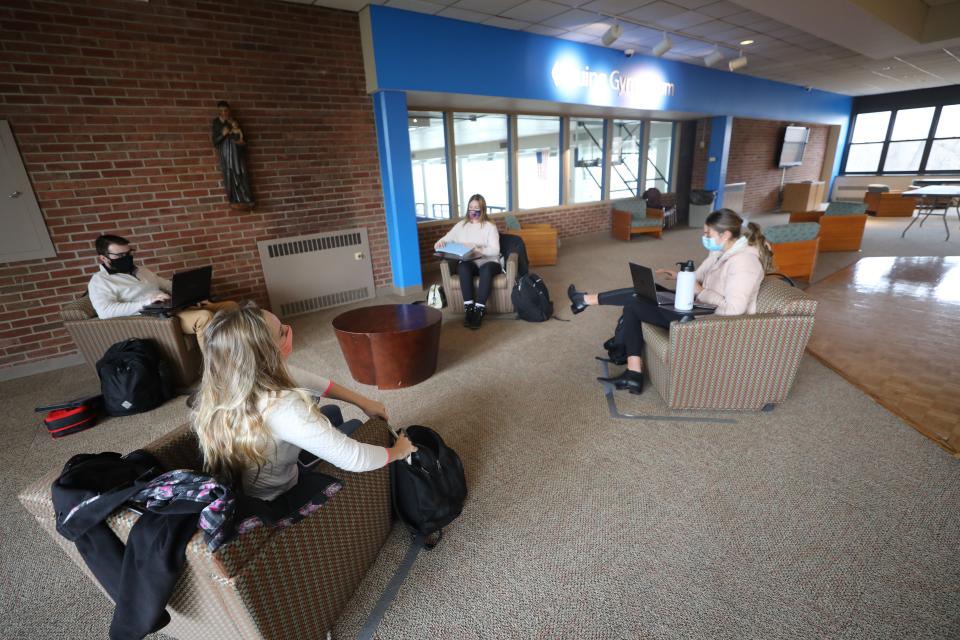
(685, 281)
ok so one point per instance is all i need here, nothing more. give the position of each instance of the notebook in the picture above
(454, 250)
(188, 288)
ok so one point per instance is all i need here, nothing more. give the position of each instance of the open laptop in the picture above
(188, 288)
(645, 288)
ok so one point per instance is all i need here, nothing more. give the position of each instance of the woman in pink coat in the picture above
(729, 279)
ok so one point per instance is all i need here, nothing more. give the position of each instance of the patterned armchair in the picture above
(756, 365)
(841, 225)
(795, 248)
(269, 583)
(94, 336)
(499, 301)
(632, 215)
(540, 240)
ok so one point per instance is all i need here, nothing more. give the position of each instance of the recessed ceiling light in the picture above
(746, 42)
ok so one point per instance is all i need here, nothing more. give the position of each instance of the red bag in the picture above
(73, 416)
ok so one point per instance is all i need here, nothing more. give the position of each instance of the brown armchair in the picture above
(540, 240)
(94, 336)
(632, 215)
(499, 301)
(269, 583)
(841, 225)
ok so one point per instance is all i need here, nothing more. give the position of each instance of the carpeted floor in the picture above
(826, 518)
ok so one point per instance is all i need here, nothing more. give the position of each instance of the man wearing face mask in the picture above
(122, 288)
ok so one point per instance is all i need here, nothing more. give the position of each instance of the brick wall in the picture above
(570, 220)
(754, 145)
(111, 104)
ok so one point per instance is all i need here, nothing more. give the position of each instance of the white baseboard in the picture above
(41, 366)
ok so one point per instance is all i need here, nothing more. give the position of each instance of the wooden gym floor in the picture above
(891, 326)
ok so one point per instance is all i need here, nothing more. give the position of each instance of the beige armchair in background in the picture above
(94, 336)
(499, 300)
(269, 583)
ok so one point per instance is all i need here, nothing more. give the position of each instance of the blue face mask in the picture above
(710, 244)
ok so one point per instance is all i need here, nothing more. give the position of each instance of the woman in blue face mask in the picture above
(729, 279)
(477, 233)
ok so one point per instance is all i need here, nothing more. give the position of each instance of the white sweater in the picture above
(484, 238)
(115, 295)
(294, 429)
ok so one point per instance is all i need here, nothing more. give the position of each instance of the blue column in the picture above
(396, 173)
(718, 152)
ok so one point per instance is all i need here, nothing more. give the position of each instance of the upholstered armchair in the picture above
(540, 240)
(632, 215)
(499, 300)
(269, 583)
(732, 362)
(795, 248)
(841, 225)
(94, 336)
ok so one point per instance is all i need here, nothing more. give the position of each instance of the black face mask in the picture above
(122, 265)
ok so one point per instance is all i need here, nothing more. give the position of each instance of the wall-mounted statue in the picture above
(231, 146)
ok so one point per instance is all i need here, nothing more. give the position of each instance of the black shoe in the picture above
(576, 299)
(632, 381)
(468, 312)
(477, 319)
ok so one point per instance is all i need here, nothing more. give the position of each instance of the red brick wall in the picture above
(754, 145)
(571, 220)
(111, 103)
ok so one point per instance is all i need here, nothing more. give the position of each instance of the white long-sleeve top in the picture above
(483, 236)
(115, 295)
(293, 429)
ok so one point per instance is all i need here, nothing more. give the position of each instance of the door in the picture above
(25, 235)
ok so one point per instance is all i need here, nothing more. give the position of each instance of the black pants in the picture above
(634, 312)
(467, 269)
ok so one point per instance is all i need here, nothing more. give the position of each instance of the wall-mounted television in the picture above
(792, 147)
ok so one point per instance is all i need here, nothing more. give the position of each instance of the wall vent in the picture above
(309, 273)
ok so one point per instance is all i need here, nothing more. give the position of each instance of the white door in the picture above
(23, 234)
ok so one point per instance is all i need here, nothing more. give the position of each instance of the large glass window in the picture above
(428, 155)
(586, 164)
(481, 151)
(625, 159)
(538, 161)
(659, 156)
(911, 128)
(945, 148)
(866, 144)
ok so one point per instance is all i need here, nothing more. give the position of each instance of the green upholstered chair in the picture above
(795, 248)
(632, 215)
(845, 208)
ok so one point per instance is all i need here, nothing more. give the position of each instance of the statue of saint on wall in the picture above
(231, 147)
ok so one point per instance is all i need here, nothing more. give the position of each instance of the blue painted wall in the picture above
(418, 52)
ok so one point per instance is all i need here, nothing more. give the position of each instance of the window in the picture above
(945, 148)
(538, 161)
(428, 156)
(866, 144)
(625, 158)
(659, 156)
(911, 127)
(586, 153)
(481, 152)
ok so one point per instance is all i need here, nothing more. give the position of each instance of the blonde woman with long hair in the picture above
(252, 420)
(479, 234)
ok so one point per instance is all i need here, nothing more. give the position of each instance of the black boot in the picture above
(468, 311)
(477, 318)
(576, 299)
(632, 381)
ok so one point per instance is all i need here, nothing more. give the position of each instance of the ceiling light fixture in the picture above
(713, 57)
(663, 46)
(738, 63)
(746, 42)
(614, 32)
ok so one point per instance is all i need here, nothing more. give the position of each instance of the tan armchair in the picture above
(757, 364)
(499, 301)
(269, 583)
(94, 336)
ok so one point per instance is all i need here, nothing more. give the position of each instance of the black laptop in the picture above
(645, 288)
(188, 288)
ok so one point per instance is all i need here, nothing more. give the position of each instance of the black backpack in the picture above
(617, 345)
(429, 491)
(531, 300)
(134, 378)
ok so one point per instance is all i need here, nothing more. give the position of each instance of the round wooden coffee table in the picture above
(390, 345)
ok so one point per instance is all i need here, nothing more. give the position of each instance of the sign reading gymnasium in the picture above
(645, 85)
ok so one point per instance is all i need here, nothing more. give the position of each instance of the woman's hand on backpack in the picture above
(401, 448)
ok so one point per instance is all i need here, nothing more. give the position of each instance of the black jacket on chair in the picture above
(514, 244)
